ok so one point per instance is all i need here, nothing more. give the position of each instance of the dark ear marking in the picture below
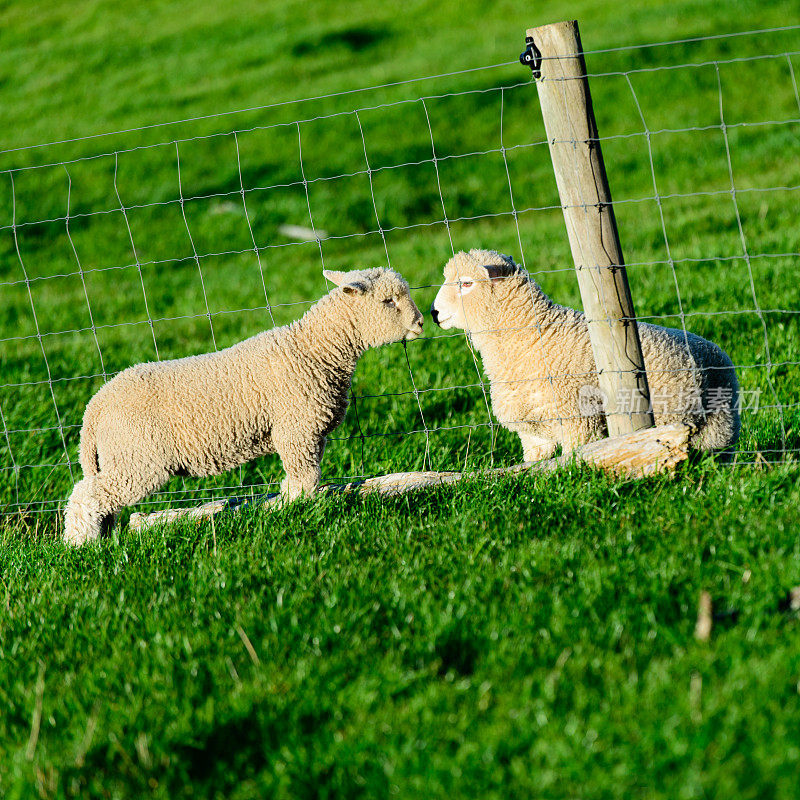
(497, 272)
(354, 288)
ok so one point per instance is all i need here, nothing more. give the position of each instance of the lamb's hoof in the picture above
(75, 538)
(286, 498)
(81, 527)
(291, 491)
(77, 532)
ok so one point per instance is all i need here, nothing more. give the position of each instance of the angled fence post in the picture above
(556, 57)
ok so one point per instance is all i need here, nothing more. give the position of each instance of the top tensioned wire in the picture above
(362, 109)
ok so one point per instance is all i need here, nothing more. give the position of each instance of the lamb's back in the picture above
(675, 358)
(236, 375)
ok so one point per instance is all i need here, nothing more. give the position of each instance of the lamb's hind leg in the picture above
(718, 434)
(84, 516)
(96, 500)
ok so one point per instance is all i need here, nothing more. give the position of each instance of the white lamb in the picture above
(283, 390)
(539, 361)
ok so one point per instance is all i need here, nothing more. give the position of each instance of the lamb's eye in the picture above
(466, 284)
(389, 302)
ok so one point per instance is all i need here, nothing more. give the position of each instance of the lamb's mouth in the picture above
(442, 322)
(413, 334)
(437, 318)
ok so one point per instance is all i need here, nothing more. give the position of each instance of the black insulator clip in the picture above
(532, 58)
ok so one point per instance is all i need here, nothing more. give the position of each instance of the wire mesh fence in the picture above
(175, 239)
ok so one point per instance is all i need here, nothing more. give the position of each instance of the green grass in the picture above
(530, 637)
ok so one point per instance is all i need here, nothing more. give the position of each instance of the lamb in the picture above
(282, 391)
(542, 373)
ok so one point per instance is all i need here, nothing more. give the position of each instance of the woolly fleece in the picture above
(282, 391)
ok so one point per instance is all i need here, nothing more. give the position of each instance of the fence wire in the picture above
(435, 405)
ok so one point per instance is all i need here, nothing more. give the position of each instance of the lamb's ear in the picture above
(351, 282)
(336, 277)
(496, 272)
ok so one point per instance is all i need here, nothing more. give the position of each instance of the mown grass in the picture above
(529, 637)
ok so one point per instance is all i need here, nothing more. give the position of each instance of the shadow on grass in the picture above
(355, 40)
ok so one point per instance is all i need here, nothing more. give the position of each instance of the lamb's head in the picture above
(472, 281)
(383, 310)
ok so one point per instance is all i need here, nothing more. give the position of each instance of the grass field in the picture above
(528, 637)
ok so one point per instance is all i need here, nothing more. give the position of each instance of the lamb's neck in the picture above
(327, 333)
(523, 319)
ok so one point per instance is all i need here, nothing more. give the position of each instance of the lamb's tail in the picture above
(90, 463)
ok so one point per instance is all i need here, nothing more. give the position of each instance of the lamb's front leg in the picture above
(301, 457)
(536, 448)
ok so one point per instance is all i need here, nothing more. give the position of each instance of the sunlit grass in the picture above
(526, 637)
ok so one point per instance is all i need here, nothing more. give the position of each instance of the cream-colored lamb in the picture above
(283, 390)
(541, 368)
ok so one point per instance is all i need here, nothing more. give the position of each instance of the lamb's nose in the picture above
(434, 314)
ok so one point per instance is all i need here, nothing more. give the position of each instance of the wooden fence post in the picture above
(591, 225)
